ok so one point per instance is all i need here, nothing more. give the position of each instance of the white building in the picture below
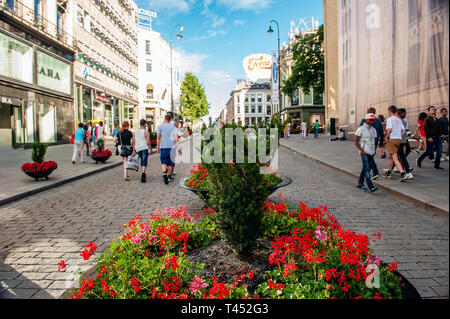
(154, 73)
(252, 102)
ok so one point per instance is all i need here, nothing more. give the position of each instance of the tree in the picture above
(309, 66)
(193, 98)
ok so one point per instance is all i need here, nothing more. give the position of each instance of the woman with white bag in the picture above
(124, 139)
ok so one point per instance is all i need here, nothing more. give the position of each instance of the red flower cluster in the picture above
(217, 291)
(171, 262)
(198, 177)
(39, 167)
(88, 250)
(62, 265)
(104, 153)
(136, 284)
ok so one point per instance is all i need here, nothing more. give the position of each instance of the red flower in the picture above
(172, 262)
(393, 266)
(61, 265)
(273, 286)
(89, 249)
(136, 284)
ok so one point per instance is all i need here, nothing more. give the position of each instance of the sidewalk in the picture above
(429, 188)
(14, 184)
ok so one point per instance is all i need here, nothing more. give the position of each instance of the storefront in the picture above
(35, 93)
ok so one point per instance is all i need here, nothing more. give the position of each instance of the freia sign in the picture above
(258, 66)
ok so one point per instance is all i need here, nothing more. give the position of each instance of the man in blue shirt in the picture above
(78, 143)
(167, 139)
(378, 126)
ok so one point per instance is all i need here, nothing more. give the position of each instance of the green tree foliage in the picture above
(309, 65)
(193, 98)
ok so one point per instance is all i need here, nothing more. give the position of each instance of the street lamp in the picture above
(179, 36)
(279, 79)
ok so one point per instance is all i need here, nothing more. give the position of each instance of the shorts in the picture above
(167, 154)
(393, 146)
(144, 157)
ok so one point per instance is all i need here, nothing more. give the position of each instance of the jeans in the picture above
(436, 145)
(365, 173)
(402, 156)
(316, 133)
(144, 157)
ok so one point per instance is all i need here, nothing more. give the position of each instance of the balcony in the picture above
(18, 12)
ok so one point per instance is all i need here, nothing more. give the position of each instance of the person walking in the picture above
(403, 149)
(395, 130)
(92, 134)
(115, 133)
(142, 145)
(100, 131)
(434, 139)
(421, 131)
(443, 122)
(304, 128)
(377, 125)
(86, 138)
(316, 127)
(365, 142)
(382, 144)
(166, 142)
(286, 131)
(78, 144)
(124, 138)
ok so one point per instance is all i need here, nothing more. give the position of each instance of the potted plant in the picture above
(100, 154)
(39, 168)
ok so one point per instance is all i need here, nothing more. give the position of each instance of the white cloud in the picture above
(174, 6)
(239, 22)
(190, 62)
(217, 77)
(218, 21)
(255, 5)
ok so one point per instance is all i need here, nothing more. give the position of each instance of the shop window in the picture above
(47, 123)
(30, 122)
(16, 59)
(307, 98)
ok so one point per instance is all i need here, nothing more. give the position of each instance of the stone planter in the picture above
(39, 174)
(101, 159)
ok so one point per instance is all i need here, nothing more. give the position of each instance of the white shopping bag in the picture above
(132, 163)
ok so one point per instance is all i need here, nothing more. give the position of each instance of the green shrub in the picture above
(39, 150)
(100, 144)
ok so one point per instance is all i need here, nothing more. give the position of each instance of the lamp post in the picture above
(179, 36)
(279, 79)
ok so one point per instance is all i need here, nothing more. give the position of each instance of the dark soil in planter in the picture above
(223, 264)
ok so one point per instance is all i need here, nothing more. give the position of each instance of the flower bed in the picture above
(312, 256)
(39, 167)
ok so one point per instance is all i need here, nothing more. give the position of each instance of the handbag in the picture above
(125, 150)
(132, 163)
(72, 139)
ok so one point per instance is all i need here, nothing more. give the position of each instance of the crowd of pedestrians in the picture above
(394, 134)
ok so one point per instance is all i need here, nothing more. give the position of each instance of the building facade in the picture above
(106, 64)
(230, 111)
(36, 72)
(251, 102)
(388, 53)
(154, 74)
(300, 106)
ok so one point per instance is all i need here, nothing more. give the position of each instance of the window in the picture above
(246, 109)
(238, 99)
(148, 66)
(259, 98)
(253, 109)
(238, 110)
(318, 98)
(307, 98)
(149, 94)
(86, 21)
(252, 99)
(147, 47)
(80, 16)
(268, 97)
(414, 65)
(246, 98)
(37, 10)
(269, 110)
(295, 98)
(259, 108)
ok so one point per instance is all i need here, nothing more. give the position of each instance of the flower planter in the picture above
(101, 157)
(408, 290)
(39, 174)
(205, 192)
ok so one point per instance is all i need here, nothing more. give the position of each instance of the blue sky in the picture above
(219, 34)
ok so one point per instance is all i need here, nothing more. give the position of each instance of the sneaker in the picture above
(364, 188)
(409, 176)
(387, 175)
(375, 177)
(174, 174)
(418, 164)
(143, 178)
(403, 178)
(373, 189)
(166, 179)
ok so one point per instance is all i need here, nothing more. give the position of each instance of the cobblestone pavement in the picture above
(38, 231)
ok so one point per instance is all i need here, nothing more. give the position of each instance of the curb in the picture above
(17, 197)
(428, 207)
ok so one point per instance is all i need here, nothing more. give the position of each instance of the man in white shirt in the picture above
(365, 142)
(395, 130)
